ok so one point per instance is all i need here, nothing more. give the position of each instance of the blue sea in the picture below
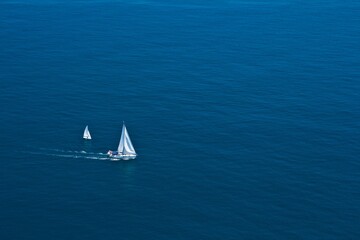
(245, 116)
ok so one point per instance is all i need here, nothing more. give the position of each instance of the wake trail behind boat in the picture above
(69, 151)
(69, 154)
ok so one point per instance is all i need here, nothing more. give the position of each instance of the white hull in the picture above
(122, 157)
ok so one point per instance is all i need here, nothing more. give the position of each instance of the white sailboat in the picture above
(87, 135)
(125, 149)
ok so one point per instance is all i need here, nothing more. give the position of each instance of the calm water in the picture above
(245, 115)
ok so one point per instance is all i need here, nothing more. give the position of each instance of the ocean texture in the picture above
(245, 116)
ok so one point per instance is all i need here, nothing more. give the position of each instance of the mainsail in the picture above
(87, 133)
(125, 145)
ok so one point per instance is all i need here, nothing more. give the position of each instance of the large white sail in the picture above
(125, 145)
(121, 143)
(128, 147)
(87, 133)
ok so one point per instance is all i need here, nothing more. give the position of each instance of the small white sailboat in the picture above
(87, 135)
(125, 149)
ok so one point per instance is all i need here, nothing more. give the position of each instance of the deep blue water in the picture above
(245, 116)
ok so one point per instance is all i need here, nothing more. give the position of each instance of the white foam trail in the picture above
(78, 156)
(70, 151)
(67, 154)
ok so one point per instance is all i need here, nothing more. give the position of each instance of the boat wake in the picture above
(69, 154)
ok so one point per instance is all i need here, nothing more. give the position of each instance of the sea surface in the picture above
(245, 116)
